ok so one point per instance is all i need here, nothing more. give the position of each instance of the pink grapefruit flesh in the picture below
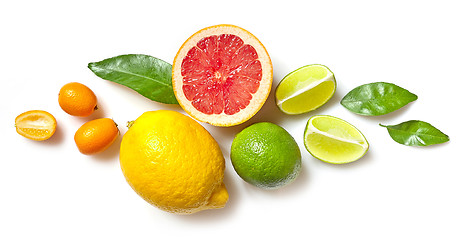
(222, 75)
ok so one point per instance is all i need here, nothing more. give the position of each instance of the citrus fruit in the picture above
(334, 140)
(173, 163)
(222, 75)
(37, 125)
(266, 155)
(96, 135)
(77, 99)
(305, 89)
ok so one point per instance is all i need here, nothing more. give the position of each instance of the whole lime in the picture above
(266, 155)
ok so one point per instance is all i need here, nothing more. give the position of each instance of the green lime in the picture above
(266, 155)
(305, 89)
(334, 140)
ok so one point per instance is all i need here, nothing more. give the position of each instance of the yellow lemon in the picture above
(173, 163)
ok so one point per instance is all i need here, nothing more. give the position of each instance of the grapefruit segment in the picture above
(222, 75)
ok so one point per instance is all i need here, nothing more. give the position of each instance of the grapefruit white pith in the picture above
(222, 75)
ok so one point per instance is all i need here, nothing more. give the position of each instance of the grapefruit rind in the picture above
(258, 98)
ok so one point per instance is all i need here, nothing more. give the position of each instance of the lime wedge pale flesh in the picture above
(334, 140)
(305, 89)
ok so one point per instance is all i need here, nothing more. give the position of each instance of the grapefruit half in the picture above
(222, 75)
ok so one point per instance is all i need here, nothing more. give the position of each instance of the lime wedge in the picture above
(334, 140)
(305, 89)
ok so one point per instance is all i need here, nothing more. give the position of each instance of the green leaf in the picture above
(416, 133)
(377, 98)
(149, 76)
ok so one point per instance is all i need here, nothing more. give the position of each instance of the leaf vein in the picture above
(140, 76)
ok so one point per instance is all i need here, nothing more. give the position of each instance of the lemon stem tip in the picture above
(130, 123)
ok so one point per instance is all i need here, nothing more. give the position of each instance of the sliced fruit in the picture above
(37, 125)
(305, 89)
(334, 140)
(222, 75)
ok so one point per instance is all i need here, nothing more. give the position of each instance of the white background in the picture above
(51, 191)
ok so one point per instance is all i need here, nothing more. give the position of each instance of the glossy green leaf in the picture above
(377, 98)
(149, 76)
(416, 133)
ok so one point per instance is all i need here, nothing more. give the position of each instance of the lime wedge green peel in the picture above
(305, 89)
(334, 140)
